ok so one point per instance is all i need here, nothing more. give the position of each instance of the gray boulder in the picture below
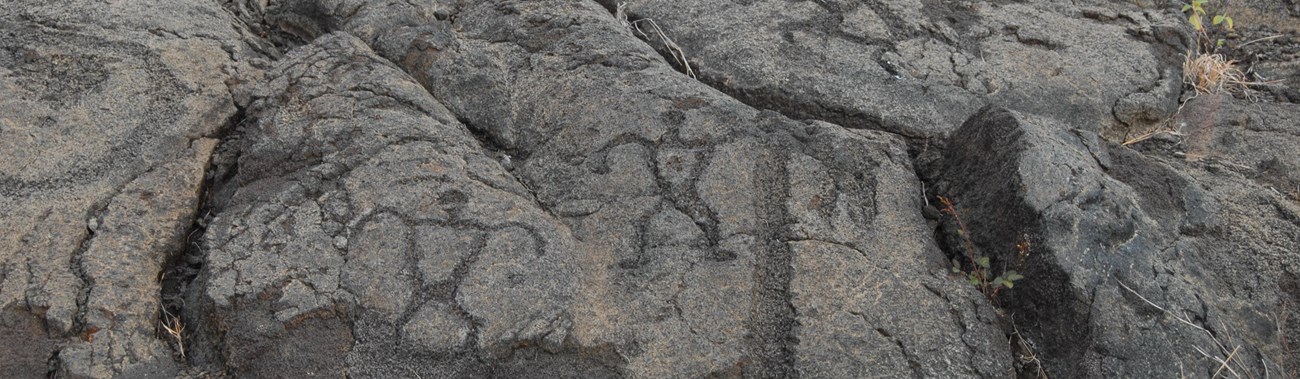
(1143, 265)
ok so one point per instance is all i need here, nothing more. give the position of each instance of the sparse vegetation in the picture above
(173, 328)
(1207, 69)
(1212, 73)
(1220, 23)
(656, 33)
(1027, 362)
(978, 270)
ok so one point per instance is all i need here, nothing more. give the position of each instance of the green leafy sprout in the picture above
(1196, 14)
(980, 274)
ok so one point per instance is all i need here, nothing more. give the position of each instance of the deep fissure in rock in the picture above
(181, 269)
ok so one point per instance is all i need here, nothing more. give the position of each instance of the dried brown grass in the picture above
(1212, 73)
(172, 326)
(1207, 74)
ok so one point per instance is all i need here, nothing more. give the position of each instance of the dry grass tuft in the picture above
(172, 326)
(1212, 73)
(678, 55)
(1028, 361)
(1207, 74)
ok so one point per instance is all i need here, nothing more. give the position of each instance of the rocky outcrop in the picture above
(1127, 250)
(646, 189)
(919, 68)
(108, 118)
(675, 232)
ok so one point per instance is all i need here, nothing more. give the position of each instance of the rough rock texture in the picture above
(105, 114)
(688, 243)
(920, 67)
(1268, 41)
(539, 189)
(364, 208)
(1142, 266)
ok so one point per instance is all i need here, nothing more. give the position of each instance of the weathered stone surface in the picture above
(919, 68)
(346, 160)
(541, 189)
(1142, 264)
(27, 349)
(328, 195)
(662, 230)
(1269, 42)
(105, 114)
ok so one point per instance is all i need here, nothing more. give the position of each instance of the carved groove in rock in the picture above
(530, 189)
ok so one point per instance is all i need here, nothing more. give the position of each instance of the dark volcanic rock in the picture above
(650, 189)
(363, 207)
(106, 118)
(920, 67)
(660, 229)
(1139, 270)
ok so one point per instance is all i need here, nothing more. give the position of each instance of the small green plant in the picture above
(1207, 69)
(1196, 14)
(980, 273)
(1197, 7)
